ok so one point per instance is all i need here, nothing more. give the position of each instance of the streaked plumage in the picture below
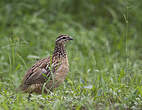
(50, 71)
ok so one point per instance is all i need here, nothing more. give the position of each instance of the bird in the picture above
(48, 73)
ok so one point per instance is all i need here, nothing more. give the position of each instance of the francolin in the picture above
(48, 72)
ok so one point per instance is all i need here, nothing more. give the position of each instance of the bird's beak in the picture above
(70, 38)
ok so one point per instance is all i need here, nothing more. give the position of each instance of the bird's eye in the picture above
(64, 38)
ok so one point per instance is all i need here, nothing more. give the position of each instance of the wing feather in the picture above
(38, 74)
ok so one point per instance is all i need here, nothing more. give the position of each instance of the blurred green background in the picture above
(105, 57)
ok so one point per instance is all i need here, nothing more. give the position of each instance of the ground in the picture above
(105, 60)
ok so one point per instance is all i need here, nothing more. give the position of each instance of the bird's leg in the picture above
(29, 96)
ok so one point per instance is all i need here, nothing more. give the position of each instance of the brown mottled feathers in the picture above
(42, 70)
(35, 74)
(39, 73)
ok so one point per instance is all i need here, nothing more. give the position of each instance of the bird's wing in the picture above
(39, 73)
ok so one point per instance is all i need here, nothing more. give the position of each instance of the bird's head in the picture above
(62, 39)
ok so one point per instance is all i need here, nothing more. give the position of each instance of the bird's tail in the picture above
(21, 88)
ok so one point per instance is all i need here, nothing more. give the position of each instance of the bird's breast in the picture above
(62, 71)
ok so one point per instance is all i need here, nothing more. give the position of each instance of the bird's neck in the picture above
(59, 51)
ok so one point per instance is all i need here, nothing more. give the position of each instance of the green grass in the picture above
(105, 58)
